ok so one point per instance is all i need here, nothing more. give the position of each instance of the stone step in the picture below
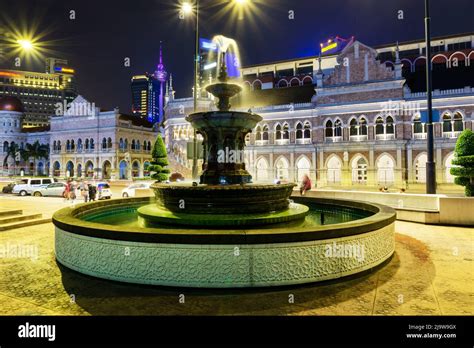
(18, 218)
(26, 223)
(10, 212)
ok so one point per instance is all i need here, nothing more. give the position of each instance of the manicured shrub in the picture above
(464, 160)
(159, 161)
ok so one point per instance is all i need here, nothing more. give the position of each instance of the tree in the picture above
(12, 151)
(159, 161)
(464, 160)
(37, 151)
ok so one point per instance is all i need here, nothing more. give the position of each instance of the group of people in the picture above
(88, 191)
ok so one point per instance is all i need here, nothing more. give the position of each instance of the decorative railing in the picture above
(303, 141)
(451, 134)
(334, 139)
(361, 137)
(385, 136)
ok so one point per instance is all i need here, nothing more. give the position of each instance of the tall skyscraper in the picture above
(40, 92)
(148, 93)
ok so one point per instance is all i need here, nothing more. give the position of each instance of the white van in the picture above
(28, 185)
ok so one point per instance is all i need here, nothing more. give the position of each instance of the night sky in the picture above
(106, 31)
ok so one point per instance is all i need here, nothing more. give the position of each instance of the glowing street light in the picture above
(241, 2)
(187, 8)
(25, 45)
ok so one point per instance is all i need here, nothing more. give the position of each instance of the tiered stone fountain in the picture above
(226, 195)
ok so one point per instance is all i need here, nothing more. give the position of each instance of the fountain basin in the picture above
(222, 199)
(282, 254)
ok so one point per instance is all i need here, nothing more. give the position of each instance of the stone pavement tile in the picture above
(13, 306)
(455, 297)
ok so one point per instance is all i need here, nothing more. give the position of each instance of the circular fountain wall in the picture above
(92, 239)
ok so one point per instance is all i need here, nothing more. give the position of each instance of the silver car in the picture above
(55, 189)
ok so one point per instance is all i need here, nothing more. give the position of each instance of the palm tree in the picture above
(36, 151)
(12, 150)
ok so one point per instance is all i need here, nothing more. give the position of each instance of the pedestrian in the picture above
(72, 192)
(85, 192)
(67, 191)
(305, 185)
(92, 192)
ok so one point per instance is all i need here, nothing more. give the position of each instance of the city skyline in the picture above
(97, 52)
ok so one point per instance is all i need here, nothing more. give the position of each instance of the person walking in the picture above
(92, 192)
(305, 185)
(67, 191)
(85, 191)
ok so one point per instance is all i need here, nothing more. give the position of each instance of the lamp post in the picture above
(430, 164)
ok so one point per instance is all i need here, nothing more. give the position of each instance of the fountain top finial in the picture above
(223, 77)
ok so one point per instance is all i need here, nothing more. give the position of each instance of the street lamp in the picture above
(430, 164)
(25, 45)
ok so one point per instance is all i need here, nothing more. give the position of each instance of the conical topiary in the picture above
(464, 160)
(159, 161)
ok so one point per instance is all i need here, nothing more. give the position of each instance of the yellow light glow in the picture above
(187, 8)
(329, 47)
(26, 45)
(241, 2)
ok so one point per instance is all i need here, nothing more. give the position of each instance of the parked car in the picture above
(54, 189)
(141, 189)
(28, 185)
(9, 187)
(103, 190)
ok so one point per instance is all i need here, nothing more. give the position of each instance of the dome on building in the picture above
(8, 103)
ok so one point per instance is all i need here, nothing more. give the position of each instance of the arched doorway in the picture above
(89, 169)
(385, 173)
(420, 168)
(69, 169)
(359, 170)
(262, 170)
(303, 167)
(282, 167)
(448, 164)
(334, 166)
(40, 168)
(123, 168)
(56, 169)
(146, 170)
(106, 170)
(135, 169)
(79, 170)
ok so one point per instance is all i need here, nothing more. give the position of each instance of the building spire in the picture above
(160, 72)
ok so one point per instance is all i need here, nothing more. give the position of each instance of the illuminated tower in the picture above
(161, 75)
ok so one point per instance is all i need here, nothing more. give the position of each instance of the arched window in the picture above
(149, 146)
(278, 132)
(109, 143)
(121, 144)
(59, 145)
(258, 133)
(5, 146)
(73, 146)
(447, 125)
(68, 145)
(265, 133)
(299, 131)
(329, 130)
(137, 145)
(104, 143)
(307, 130)
(133, 144)
(419, 131)
(54, 146)
(144, 145)
(91, 142)
(458, 124)
(338, 128)
(87, 144)
(79, 144)
(257, 85)
(379, 126)
(286, 132)
(390, 129)
(358, 130)
(353, 127)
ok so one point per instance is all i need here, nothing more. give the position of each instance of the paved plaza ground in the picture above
(430, 273)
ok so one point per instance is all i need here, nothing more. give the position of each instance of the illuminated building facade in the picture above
(349, 119)
(39, 92)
